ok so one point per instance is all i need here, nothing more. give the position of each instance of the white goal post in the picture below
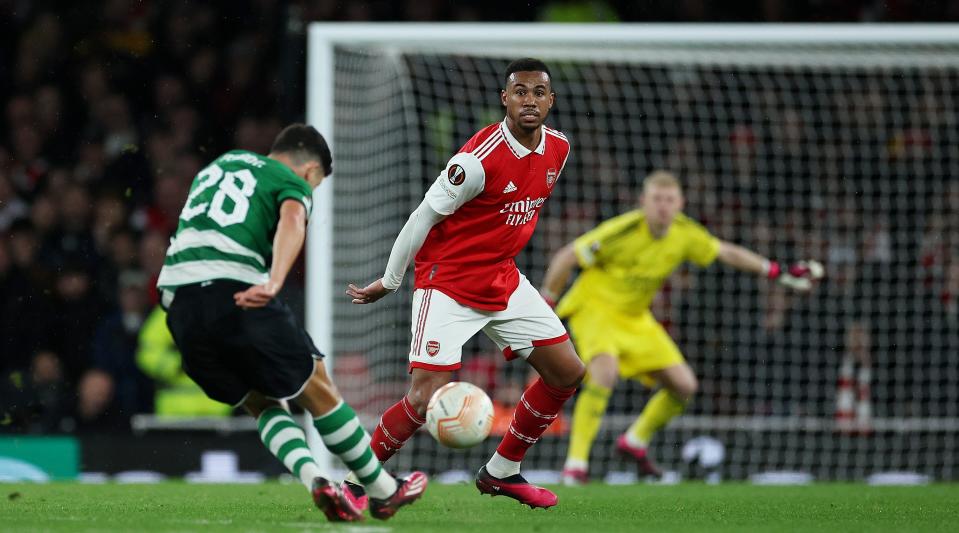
(839, 141)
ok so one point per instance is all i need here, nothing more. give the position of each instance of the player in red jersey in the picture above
(475, 218)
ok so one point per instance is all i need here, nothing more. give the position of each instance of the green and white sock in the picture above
(286, 440)
(345, 437)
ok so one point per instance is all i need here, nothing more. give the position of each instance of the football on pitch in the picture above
(459, 415)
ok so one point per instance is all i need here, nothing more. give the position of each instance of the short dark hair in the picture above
(304, 143)
(526, 64)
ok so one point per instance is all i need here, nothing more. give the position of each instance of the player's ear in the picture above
(313, 173)
(552, 99)
(320, 170)
(502, 97)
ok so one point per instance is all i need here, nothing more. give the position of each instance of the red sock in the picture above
(396, 427)
(536, 410)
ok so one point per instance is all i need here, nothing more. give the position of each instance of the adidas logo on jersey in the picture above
(509, 188)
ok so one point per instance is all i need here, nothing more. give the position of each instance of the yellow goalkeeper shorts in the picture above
(639, 343)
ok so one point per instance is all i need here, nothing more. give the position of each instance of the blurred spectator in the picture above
(176, 394)
(91, 159)
(29, 166)
(49, 120)
(36, 399)
(170, 192)
(94, 395)
(112, 115)
(12, 206)
(109, 217)
(152, 253)
(76, 312)
(107, 119)
(121, 254)
(25, 309)
(115, 388)
(74, 242)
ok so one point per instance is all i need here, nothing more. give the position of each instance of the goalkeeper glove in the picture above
(797, 276)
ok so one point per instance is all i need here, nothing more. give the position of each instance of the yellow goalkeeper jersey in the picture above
(623, 265)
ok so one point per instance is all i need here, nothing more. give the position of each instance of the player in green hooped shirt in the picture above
(241, 229)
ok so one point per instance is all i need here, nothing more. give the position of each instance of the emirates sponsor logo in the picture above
(521, 212)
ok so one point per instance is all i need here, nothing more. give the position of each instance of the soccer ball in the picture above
(459, 415)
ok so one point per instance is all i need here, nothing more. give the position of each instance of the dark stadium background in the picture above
(109, 110)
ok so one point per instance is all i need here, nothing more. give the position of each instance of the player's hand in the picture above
(257, 295)
(369, 294)
(798, 276)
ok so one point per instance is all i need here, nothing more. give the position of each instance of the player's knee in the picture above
(256, 404)
(321, 379)
(603, 371)
(419, 397)
(569, 377)
(687, 388)
(319, 395)
(578, 374)
(323, 385)
(423, 387)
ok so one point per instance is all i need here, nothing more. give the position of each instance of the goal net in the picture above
(836, 143)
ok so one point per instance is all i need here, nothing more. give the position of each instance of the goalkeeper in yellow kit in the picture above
(624, 262)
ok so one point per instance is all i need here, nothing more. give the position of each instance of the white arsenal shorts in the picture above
(441, 326)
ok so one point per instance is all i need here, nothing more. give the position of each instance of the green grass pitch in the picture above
(175, 506)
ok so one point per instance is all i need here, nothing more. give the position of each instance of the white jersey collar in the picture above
(517, 147)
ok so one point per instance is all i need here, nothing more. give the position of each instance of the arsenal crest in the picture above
(432, 348)
(551, 177)
(456, 175)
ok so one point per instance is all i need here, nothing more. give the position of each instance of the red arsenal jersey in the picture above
(492, 192)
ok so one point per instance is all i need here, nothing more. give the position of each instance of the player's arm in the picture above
(407, 244)
(558, 272)
(584, 252)
(463, 180)
(798, 276)
(287, 243)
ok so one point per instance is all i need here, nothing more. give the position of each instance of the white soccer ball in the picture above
(459, 415)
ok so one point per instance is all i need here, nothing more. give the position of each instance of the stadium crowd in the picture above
(110, 109)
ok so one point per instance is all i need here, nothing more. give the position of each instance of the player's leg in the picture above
(219, 354)
(595, 334)
(345, 437)
(678, 386)
(656, 360)
(440, 326)
(285, 439)
(342, 433)
(602, 372)
(560, 372)
(405, 417)
(283, 364)
(528, 328)
(401, 420)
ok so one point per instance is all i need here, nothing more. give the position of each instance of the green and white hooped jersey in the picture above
(226, 227)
